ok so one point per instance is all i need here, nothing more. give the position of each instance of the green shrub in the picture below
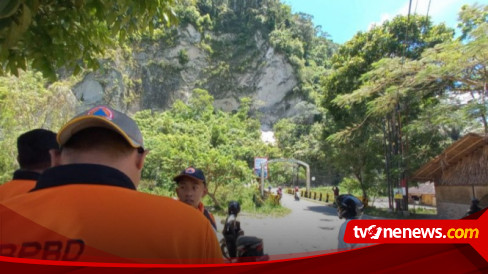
(183, 57)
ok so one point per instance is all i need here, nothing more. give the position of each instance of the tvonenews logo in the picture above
(473, 231)
(374, 232)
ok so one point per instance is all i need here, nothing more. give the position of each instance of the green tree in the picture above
(71, 33)
(418, 100)
(355, 128)
(463, 64)
(391, 94)
(470, 18)
(23, 105)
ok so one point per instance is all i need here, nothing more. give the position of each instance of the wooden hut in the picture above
(460, 173)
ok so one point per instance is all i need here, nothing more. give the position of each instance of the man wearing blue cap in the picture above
(191, 187)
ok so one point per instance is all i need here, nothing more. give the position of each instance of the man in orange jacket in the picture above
(33, 158)
(86, 208)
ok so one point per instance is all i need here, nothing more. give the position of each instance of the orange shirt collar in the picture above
(201, 207)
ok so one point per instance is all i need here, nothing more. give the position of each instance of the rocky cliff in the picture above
(153, 73)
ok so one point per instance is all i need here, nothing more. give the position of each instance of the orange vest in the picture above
(22, 182)
(207, 215)
(105, 221)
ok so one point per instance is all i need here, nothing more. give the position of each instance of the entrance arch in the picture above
(307, 171)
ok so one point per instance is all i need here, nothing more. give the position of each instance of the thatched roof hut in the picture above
(460, 173)
(464, 163)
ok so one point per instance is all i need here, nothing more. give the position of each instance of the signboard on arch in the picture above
(257, 166)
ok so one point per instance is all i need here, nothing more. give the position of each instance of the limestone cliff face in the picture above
(155, 73)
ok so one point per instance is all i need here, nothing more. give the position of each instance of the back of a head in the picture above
(103, 136)
(348, 206)
(33, 149)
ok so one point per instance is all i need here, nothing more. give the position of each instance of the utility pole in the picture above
(298, 171)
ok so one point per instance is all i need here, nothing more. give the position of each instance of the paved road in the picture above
(310, 227)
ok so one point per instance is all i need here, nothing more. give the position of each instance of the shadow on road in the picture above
(327, 210)
(326, 220)
(326, 228)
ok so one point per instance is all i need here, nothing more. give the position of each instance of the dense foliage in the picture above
(48, 35)
(195, 134)
(25, 104)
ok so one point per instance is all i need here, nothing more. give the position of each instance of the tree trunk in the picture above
(390, 154)
(387, 161)
(212, 196)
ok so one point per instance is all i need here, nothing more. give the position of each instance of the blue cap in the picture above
(193, 173)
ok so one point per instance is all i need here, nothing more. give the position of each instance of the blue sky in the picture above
(341, 19)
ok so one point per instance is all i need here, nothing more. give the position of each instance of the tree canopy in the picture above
(49, 35)
(195, 134)
(394, 85)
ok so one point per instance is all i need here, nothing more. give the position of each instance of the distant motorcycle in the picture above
(235, 246)
(297, 196)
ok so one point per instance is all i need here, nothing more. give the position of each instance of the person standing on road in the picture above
(279, 192)
(335, 189)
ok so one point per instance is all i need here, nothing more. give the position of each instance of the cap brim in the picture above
(177, 178)
(80, 123)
